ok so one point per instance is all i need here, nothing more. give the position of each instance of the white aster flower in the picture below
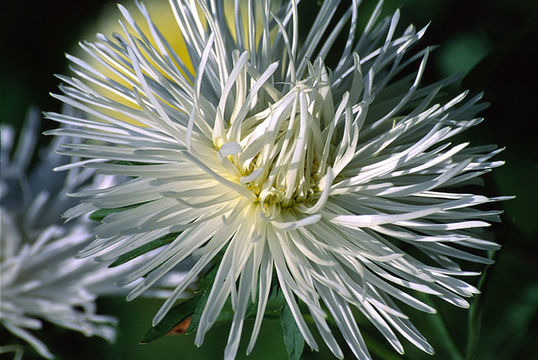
(320, 175)
(39, 277)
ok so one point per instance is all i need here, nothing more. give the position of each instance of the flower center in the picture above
(280, 147)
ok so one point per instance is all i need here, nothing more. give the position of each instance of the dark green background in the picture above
(493, 42)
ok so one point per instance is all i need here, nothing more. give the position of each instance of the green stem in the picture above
(437, 323)
(448, 343)
(475, 313)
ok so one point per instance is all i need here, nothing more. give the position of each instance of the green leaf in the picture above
(276, 300)
(190, 307)
(203, 294)
(209, 277)
(154, 244)
(100, 214)
(293, 339)
(197, 312)
(176, 315)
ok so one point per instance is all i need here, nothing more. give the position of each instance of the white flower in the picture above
(321, 175)
(40, 278)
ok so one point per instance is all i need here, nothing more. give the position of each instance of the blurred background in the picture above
(493, 43)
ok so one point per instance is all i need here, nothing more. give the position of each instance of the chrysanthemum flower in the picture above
(39, 277)
(339, 184)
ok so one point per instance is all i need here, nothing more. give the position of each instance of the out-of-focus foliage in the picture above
(492, 42)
